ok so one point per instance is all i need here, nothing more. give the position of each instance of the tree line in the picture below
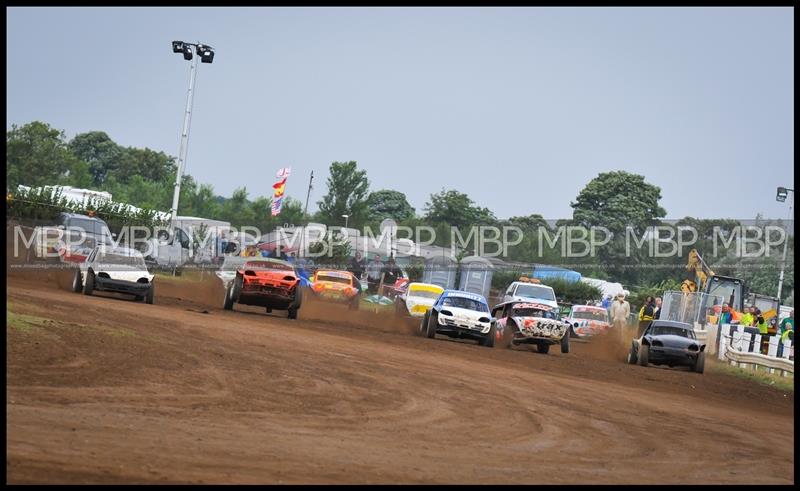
(37, 155)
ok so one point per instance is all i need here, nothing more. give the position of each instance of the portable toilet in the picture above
(476, 275)
(440, 270)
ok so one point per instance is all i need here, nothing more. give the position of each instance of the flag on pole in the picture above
(280, 188)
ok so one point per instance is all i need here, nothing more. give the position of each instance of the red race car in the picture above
(261, 281)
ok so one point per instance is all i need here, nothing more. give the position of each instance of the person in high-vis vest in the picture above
(747, 318)
(761, 324)
(646, 314)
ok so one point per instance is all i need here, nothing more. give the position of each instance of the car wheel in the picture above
(77, 283)
(423, 325)
(565, 342)
(643, 355)
(631, 358)
(292, 314)
(353, 305)
(700, 363)
(269, 310)
(151, 294)
(431, 327)
(543, 348)
(488, 341)
(228, 304)
(88, 287)
(237, 287)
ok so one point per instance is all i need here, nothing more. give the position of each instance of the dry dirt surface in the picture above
(114, 391)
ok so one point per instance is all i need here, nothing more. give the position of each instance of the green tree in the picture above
(456, 209)
(347, 195)
(149, 164)
(37, 155)
(238, 210)
(388, 203)
(617, 199)
(98, 150)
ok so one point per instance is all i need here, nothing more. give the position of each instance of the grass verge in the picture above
(761, 376)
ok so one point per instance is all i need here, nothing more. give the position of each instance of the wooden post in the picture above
(773, 350)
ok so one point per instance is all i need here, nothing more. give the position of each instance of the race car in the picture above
(530, 289)
(669, 343)
(527, 322)
(459, 314)
(117, 270)
(261, 281)
(336, 286)
(587, 320)
(416, 299)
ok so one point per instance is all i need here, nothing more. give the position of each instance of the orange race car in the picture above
(336, 286)
(265, 282)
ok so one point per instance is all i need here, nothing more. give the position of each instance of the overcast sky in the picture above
(517, 107)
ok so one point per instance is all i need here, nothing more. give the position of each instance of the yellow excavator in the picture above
(703, 279)
(732, 291)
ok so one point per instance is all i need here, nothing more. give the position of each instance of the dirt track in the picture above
(118, 391)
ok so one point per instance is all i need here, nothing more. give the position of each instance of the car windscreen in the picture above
(267, 265)
(592, 315)
(671, 330)
(94, 228)
(535, 291)
(415, 292)
(334, 278)
(464, 303)
(528, 312)
(120, 261)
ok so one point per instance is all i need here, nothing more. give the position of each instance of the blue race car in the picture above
(460, 314)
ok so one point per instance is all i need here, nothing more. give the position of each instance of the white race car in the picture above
(115, 269)
(526, 322)
(417, 299)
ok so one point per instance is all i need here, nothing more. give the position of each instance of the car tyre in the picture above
(77, 282)
(353, 305)
(430, 330)
(228, 304)
(543, 348)
(700, 363)
(151, 294)
(269, 310)
(423, 324)
(643, 355)
(237, 287)
(488, 341)
(88, 287)
(292, 313)
(565, 342)
(631, 358)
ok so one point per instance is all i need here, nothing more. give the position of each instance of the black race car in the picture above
(668, 343)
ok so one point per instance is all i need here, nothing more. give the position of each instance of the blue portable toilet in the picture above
(476, 275)
(440, 270)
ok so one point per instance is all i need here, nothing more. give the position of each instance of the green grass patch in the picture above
(760, 376)
(27, 323)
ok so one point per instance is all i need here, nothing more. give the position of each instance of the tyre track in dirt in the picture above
(335, 397)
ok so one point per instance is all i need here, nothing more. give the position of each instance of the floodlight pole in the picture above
(785, 244)
(184, 148)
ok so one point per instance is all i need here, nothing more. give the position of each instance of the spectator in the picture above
(646, 313)
(606, 302)
(390, 272)
(725, 316)
(787, 327)
(747, 317)
(356, 265)
(374, 274)
(620, 311)
(657, 313)
(761, 324)
(223, 244)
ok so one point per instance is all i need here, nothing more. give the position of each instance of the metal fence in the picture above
(688, 307)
